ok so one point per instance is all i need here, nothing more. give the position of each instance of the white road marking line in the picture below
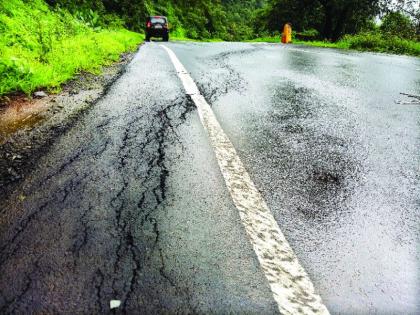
(292, 289)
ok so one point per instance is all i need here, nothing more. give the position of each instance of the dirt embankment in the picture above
(29, 126)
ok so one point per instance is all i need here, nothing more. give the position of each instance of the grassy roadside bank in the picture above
(361, 42)
(42, 48)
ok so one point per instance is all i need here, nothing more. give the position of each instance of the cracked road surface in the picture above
(130, 204)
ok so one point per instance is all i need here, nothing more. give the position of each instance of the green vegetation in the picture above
(398, 24)
(396, 34)
(41, 48)
(43, 43)
(375, 42)
(193, 19)
(381, 43)
(332, 19)
(346, 24)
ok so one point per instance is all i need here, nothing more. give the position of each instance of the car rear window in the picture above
(155, 20)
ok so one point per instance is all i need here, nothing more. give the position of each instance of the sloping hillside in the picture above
(41, 47)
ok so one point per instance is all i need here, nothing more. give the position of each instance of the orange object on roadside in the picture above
(286, 37)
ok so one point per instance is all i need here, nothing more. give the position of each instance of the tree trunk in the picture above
(328, 23)
(341, 22)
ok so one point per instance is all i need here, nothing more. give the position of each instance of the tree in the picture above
(301, 14)
(398, 24)
(410, 8)
(332, 18)
(346, 16)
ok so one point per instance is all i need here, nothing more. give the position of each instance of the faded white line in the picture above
(292, 289)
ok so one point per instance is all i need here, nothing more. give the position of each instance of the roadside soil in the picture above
(28, 126)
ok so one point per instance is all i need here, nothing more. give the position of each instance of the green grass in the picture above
(40, 48)
(362, 42)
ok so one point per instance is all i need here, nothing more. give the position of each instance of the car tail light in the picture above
(166, 25)
(148, 25)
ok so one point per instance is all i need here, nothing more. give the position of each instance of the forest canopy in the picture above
(239, 20)
(197, 19)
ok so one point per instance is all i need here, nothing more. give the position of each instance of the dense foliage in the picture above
(376, 41)
(41, 48)
(239, 20)
(331, 19)
(398, 24)
(196, 19)
(348, 24)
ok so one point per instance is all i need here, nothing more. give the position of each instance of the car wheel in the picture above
(166, 38)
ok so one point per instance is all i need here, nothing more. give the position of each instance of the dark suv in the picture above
(157, 26)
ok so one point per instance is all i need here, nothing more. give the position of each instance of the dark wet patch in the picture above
(326, 177)
(291, 102)
(332, 174)
(292, 128)
(302, 62)
(316, 171)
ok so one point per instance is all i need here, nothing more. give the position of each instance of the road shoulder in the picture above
(30, 126)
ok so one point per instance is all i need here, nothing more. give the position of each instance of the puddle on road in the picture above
(20, 114)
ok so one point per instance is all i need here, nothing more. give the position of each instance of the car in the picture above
(157, 26)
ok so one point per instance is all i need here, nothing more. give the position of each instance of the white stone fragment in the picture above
(40, 94)
(114, 304)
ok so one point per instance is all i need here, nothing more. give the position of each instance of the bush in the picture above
(382, 43)
(397, 24)
(311, 34)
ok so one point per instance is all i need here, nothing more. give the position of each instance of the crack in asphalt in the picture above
(64, 166)
(141, 151)
(153, 152)
(231, 80)
(77, 182)
(9, 306)
(81, 241)
(93, 221)
(18, 232)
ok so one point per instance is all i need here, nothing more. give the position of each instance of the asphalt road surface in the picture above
(131, 204)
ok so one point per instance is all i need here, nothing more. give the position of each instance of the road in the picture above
(131, 204)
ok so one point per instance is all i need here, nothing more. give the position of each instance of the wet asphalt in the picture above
(130, 205)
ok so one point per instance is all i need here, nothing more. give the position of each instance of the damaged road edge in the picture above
(20, 151)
